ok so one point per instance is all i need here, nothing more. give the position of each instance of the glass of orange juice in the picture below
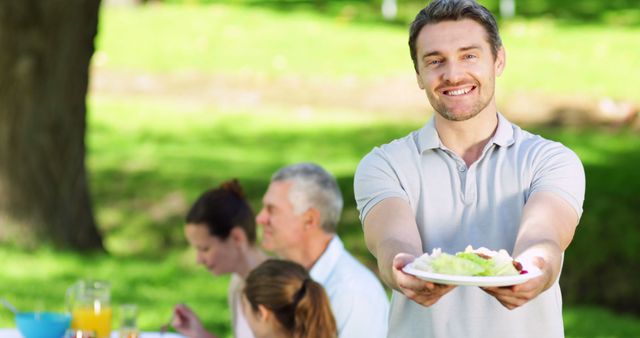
(91, 307)
(96, 319)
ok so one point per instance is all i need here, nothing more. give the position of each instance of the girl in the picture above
(281, 301)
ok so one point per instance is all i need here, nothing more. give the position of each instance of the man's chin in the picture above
(267, 245)
(456, 116)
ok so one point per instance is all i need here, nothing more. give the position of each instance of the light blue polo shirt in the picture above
(358, 301)
(481, 205)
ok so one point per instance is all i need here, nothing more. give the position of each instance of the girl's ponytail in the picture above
(313, 316)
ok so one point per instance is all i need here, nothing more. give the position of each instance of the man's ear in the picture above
(311, 218)
(501, 60)
(419, 79)
(238, 236)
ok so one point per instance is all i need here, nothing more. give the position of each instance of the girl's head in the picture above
(281, 300)
(219, 226)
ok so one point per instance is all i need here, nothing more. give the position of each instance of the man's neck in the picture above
(467, 139)
(307, 254)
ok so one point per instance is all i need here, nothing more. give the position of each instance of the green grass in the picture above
(37, 281)
(543, 55)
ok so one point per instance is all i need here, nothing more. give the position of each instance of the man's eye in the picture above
(470, 56)
(434, 62)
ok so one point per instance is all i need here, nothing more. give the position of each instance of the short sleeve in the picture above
(375, 180)
(559, 170)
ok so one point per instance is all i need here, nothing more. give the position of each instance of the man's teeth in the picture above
(458, 92)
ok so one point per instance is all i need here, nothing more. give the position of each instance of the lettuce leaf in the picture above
(453, 265)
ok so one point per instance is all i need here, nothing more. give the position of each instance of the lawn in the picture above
(151, 153)
(543, 55)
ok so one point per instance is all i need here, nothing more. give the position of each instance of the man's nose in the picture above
(453, 73)
(261, 218)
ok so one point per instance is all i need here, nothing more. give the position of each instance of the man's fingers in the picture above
(401, 260)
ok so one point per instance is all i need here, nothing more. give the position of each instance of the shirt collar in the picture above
(504, 133)
(428, 136)
(323, 267)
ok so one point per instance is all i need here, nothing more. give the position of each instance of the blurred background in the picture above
(115, 116)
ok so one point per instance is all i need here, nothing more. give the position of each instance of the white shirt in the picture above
(358, 301)
(481, 205)
(239, 322)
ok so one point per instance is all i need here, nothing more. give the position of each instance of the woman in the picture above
(281, 301)
(221, 227)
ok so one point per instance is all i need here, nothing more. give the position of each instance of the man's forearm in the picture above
(385, 253)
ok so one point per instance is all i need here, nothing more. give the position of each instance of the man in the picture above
(301, 210)
(468, 176)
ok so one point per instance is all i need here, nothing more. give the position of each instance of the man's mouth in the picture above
(459, 92)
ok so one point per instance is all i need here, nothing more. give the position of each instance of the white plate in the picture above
(532, 272)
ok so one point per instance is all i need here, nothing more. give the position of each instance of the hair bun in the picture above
(232, 186)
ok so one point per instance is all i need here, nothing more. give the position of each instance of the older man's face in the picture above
(282, 227)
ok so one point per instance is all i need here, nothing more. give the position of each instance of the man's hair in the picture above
(454, 10)
(313, 187)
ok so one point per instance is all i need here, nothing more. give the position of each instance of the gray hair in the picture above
(313, 187)
(454, 10)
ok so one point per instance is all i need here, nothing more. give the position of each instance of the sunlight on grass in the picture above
(213, 38)
(542, 55)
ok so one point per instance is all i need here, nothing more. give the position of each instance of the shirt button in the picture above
(462, 168)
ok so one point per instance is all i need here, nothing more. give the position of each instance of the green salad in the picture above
(478, 262)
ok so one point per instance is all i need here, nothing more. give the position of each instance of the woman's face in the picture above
(217, 255)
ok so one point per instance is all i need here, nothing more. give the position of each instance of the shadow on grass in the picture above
(141, 208)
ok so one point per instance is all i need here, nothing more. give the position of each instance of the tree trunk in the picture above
(45, 50)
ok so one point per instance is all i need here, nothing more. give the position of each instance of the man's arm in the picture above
(546, 230)
(392, 236)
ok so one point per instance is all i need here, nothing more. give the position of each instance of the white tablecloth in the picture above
(14, 333)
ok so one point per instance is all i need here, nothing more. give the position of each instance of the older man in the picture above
(301, 210)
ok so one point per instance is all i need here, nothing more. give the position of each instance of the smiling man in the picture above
(468, 177)
(300, 213)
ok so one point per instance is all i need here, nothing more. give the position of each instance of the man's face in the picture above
(218, 256)
(282, 227)
(456, 68)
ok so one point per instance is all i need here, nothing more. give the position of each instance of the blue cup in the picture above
(43, 324)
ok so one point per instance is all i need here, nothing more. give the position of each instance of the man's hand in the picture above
(419, 291)
(514, 296)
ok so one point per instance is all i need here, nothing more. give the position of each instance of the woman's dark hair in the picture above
(222, 209)
(454, 10)
(299, 304)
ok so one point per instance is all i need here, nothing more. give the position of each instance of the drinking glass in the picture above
(128, 318)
